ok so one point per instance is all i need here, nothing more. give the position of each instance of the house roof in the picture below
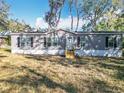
(4, 34)
(77, 33)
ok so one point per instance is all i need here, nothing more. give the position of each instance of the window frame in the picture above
(82, 42)
(25, 42)
(115, 42)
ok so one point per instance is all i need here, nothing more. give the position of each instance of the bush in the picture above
(8, 40)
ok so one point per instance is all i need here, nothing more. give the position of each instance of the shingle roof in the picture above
(5, 33)
(79, 32)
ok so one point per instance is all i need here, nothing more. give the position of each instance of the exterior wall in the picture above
(96, 42)
(38, 45)
(104, 53)
(39, 52)
(95, 45)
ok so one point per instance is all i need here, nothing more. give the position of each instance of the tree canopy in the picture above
(93, 11)
(52, 17)
(4, 8)
(13, 25)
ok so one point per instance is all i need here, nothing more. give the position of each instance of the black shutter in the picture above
(44, 41)
(31, 41)
(106, 42)
(18, 41)
(78, 41)
(115, 42)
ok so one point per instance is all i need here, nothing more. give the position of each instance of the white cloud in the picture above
(64, 23)
(40, 23)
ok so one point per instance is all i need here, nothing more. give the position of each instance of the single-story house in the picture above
(100, 43)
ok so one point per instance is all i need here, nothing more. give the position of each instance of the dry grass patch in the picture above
(55, 74)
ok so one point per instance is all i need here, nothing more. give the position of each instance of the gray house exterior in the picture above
(55, 43)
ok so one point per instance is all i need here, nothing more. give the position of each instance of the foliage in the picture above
(113, 22)
(3, 15)
(17, 26)
(10, 24)
(8, 41)
(52, 17)
(93, 10)
(90, 10)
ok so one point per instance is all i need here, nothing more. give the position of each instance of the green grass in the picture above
(55, 74)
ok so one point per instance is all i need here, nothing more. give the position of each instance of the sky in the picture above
(32, 12)
(28, 10)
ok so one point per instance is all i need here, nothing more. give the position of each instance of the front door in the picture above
(69, 53)
(69, 43)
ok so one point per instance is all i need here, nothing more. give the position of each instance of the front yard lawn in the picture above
(55, 74)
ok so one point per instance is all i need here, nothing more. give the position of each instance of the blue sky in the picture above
(30, 10)
(27, 10)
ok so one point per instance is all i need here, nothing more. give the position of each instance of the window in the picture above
(81, 41)
(115, 42)
(55, 41)
(25, 41)
(49, 42)
(112, 42)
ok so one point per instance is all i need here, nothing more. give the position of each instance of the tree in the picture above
(17, 26)
(3, 15)
(75, 6)
(78, 12)
(90, 10)
(93, 10)
(70, 10)
(114, 20)
(52, 17)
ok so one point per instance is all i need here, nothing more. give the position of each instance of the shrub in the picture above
(8, 40)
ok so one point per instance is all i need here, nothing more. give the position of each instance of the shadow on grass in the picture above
(59, 60)
(2, 56)
(8, 50)
(114, 65)
(117, 60)
(99, 86)
(37, 80)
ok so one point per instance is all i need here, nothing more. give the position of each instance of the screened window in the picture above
(55, 41)
(25, 41)
(81, 41)
(48, 42)
(112, 42)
